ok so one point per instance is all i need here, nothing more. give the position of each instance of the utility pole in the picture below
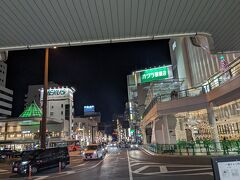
(44, 110)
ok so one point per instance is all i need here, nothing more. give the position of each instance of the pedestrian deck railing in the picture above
(232, 72)
(196, 148)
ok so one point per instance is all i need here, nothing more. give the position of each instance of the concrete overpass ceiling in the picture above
(40, 23)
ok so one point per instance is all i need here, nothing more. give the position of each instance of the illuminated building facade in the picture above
(60, 106)
(6, 95)
(206, 102)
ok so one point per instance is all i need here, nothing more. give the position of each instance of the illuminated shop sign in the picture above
(26, 132)
(155, 74)
(89, 108)
(56, 92)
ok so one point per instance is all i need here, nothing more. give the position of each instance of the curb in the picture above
(76, 156)
(173, 155)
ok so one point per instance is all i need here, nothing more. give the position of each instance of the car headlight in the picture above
(136, 145)
(24, 163)
(131, 145)
(83, 153)
(95, 152)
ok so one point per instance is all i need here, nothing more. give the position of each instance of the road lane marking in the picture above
(141, 169)
(188, 170)
(40, 177)
(163, 169)
(129, 168)
(77, 171)
(2, 170)
(76, 160)
(136, 164)
(178, 171)
(70, 172)
(79, 165)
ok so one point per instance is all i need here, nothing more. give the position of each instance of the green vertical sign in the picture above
(154, 74)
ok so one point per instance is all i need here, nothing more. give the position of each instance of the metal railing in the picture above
(195, 148)
(211, 84)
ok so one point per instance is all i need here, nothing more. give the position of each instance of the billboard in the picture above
(89, 109)
(155, 74)
(57, 93)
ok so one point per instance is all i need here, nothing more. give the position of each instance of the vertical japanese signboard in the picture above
(223, 64)
(155, 74)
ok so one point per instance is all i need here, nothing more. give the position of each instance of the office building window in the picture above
(61, 105)
(67, 112)
(51, 113)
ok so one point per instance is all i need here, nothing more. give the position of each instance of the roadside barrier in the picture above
(194, 148)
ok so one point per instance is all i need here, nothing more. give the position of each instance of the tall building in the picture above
(143, 86)
(6, 95)
(34, 95)
(86, 128)
(60, 106)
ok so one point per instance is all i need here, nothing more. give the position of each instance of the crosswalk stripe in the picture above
(143, 163)
(140, 169)
(163, 169)
(40, 177)
(3, 170)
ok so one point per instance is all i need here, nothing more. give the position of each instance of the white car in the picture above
(134, 146)
(94, 151)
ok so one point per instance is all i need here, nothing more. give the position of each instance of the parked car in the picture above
(7, 152)
(94, 151)
(41, 159)
(16, 154)
(2, 156)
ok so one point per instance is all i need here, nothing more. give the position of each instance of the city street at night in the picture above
(120, 90)
(126, 164)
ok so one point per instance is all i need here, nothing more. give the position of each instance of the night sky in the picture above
(98, 72)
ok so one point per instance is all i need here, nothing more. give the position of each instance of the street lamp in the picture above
(44, 109)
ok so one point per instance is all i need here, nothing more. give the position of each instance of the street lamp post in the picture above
(44, 108)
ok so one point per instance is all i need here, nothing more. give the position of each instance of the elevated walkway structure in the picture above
(222, 89)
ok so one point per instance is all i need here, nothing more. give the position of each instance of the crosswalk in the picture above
(3, 171)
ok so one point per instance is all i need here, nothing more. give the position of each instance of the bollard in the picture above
(187, 151)
(30, 172)
(59, 167)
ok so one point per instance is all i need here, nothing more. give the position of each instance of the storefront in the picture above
(196, 125)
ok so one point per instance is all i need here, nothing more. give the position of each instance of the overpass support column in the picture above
(153, 140)
(144, 135)
(213, 124)
(165, 130)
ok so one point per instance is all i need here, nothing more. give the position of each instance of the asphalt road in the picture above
(127, 165)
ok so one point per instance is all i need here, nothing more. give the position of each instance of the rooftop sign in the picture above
(89, 109)
(154, 74)
(57, 92)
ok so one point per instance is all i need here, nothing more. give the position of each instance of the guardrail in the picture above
(196, 148)
(230, 73)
